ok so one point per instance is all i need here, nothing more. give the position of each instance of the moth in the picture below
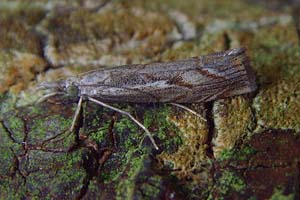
(192, 80)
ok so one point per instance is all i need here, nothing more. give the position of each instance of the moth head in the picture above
(66, 86)
(70, 87)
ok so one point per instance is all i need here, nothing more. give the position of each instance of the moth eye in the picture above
(72, 90)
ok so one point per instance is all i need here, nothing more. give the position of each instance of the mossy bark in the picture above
(248, 147)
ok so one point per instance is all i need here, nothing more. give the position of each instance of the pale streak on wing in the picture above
(129, 89)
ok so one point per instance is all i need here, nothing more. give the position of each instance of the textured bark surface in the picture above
(248, 147)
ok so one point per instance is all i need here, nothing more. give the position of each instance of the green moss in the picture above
(158, 119)
(235, 154)
(11, 190)
(100, 134)
(150, 187)
(229, 181)
(6, 161)
(16, 127)
(35, 110)
(275, 52)
(138, 183)
(49, 126)
(8, 149)
(126, 168)
(155, 119)
(59, 174)
(122, 163)
(226, 154)
(278, 195)
(126, 123)
(125, 187)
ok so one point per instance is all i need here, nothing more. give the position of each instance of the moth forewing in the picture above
(185, 81)
(197, 79)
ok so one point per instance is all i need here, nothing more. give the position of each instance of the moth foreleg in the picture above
(76, 115)
(188, 109)
(127, 114)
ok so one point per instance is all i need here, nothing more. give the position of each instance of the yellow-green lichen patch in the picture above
(220, 35)
(275, 57)
(116, 35)
(181, 50)
(20, 57)
(279, 106)
(191, 154)
(208, 43)
(18, 70)
(273, 52)
(206, 10)
(17, 36)
(28, 13)
(233, 121)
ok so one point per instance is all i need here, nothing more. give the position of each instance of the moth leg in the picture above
(76, 115)
(188, 109)
(127, 114)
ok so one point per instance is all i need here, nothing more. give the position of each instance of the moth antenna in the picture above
(129, 115)
(43, 98)
(189, 110)
(76, 115)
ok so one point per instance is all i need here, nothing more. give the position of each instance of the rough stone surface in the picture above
(246, 148)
